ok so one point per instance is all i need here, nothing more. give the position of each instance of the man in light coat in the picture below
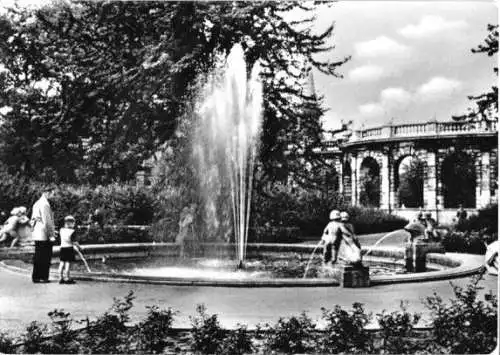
(43, 235)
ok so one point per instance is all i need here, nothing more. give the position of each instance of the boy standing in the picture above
(67, 252)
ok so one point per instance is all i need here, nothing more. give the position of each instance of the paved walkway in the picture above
(22, 301)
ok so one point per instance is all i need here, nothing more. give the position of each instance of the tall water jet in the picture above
(225, 146)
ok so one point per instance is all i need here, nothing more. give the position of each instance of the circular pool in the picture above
(267, 265)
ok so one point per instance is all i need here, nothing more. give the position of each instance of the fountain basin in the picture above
(441, 266)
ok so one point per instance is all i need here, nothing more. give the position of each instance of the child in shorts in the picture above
(67, 252)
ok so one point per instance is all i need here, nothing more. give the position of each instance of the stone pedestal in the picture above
(416, 254)
(351, 276)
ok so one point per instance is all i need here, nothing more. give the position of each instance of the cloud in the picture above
(371, 109)
(438, 88)
(395, 96)
(380, 46)
(431, 26)
(366, 73)
(390, 100)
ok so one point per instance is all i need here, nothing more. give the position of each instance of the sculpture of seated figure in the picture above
(346, 246)
(340, 242)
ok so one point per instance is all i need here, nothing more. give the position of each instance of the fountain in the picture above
(225, 146)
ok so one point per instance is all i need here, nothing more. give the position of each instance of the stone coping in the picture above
(449, 265)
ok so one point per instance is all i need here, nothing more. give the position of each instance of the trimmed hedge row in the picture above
(122, 204)
(282, 217)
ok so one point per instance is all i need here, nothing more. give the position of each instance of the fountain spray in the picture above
(226, 142)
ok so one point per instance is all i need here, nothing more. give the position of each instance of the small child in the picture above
(67, 252)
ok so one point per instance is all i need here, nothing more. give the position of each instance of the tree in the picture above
(124, 72)
(486, 103)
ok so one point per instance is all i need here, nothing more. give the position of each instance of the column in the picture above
(354, 181)
(385, 193)
(483, 194)
(340, 174)
(431, 182)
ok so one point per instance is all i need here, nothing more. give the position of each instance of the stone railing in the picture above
(427, 129)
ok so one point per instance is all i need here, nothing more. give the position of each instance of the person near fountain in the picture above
(431, 232)
(329, 236)
(351, 251)
(461, 214)
(186, 220)
(415, 229)
(67, 249)
(43, 235)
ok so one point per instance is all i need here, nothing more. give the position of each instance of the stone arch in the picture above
(369, 179)
(458, 178)
(409, 181)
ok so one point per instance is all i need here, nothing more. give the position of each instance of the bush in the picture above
(33, 339)
(292, 335)
(309, 212)
(151, 333)
(6, 344)
(396, 327)
(206, 332)
(345, 331)
(124, 204)
(485, 221)
(109, 333)
(467, 324)
(113, 234)
(237, 342)
(366, 220)
(464, 242)
(62, 340)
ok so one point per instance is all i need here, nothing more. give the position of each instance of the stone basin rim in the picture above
(465, 266)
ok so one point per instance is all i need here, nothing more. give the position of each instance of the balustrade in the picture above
(424, 129)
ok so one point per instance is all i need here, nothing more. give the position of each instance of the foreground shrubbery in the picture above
(464, 325)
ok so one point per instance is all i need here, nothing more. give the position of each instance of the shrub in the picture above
(464, 242)
(291, 335)
(237, 342)
(396, 327)
(109, 333)
(345, 331)
(6, 344)
(124, 204)
(366, 220)
(486, 221)
(467, 325)
(33, 339)
(151, 333)
(309, 212)
(206, 332)
(62, 340)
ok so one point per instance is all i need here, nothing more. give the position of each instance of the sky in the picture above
(411, 61)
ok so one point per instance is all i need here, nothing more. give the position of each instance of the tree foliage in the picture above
(97, 87)
(486, 104)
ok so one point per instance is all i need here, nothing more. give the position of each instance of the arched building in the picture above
(437, 166)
